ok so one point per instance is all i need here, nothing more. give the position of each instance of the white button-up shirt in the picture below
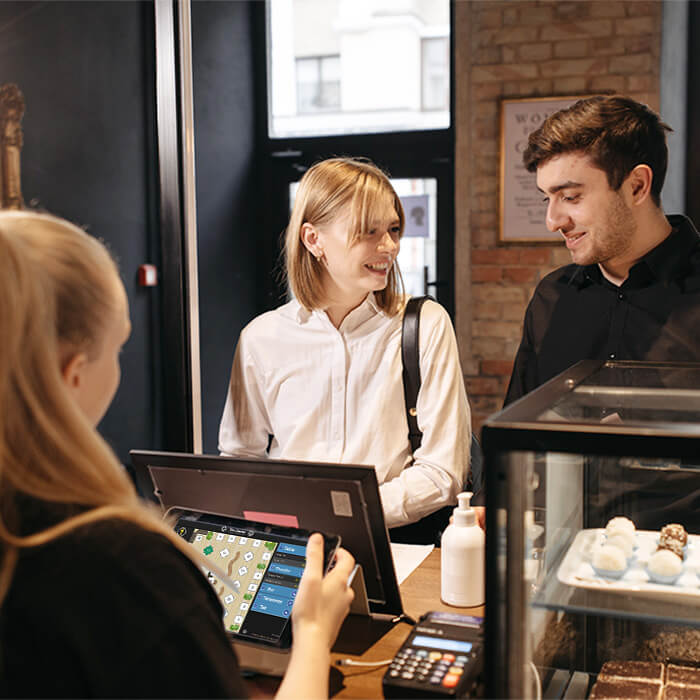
(336, 395)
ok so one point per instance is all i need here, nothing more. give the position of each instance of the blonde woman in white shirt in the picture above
(320, 378)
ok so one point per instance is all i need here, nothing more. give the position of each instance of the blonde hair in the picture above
(328, 190)
(57, 289)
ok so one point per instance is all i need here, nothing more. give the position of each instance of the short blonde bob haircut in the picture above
(328, 190)
(58, 289)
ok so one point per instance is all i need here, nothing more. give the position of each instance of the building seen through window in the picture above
(357, 66)
(436, 73)
(318, 83)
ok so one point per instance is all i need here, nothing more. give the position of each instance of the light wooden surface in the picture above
(420, 592)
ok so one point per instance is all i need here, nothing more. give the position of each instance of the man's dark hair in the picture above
(616, 132)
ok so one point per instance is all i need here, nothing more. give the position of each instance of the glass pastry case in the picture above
(593, 535)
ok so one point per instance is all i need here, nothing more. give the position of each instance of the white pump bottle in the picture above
(462, 557)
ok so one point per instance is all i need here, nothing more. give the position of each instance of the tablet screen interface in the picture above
(255, 570)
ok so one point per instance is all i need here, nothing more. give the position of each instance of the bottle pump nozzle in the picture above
(464, 515)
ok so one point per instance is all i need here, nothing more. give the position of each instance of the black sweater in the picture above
(112, 610)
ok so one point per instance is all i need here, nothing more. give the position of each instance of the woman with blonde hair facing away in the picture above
(99, 597)
(320, 378)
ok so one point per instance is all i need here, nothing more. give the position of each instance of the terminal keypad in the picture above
(442, 657)
(429, 667)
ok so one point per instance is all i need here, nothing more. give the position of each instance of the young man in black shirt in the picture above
(632, 291)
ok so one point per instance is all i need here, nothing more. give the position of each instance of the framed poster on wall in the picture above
(522, 209)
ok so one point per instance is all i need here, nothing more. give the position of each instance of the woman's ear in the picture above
(310, 239)
(73, 371)
(639, 183)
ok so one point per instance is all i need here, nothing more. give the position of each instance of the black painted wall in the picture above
(86, 71)
(227, 193)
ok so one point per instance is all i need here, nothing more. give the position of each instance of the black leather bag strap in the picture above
(429, 528)
(411, 366)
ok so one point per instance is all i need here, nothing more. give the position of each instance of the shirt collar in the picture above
(670, 257)
(302, 314)
(663, 263)
(371, 301)
(364, 312)
(369, 307)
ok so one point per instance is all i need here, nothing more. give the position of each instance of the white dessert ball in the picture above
(624, 540)
(609, 558)
(619, 524)
(665, 563)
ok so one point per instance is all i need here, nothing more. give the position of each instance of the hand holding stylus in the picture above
(322, 601)
(319, 609)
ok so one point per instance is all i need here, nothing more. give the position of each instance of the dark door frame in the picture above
(180, 410)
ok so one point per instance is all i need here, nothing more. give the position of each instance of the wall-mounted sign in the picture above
(522, 208)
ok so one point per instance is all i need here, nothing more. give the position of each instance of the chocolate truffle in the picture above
(673, 531)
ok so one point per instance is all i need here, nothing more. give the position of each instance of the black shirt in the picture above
(112, 610)
(576, 314)
(654, 315)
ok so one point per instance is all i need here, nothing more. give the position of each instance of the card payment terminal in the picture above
(442, 657)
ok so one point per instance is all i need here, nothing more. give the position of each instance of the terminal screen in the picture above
(441, 643)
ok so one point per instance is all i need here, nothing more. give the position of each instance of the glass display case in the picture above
(576, 600)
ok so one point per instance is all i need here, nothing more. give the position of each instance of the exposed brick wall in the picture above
(513, 49)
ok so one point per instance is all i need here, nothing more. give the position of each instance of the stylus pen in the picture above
(351, 578)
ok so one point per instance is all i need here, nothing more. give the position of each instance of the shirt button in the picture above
(620, 296)
(612, 356)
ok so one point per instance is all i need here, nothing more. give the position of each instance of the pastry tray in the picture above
(576, 570)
